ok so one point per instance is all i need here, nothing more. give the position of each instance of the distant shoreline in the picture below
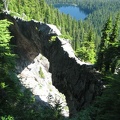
(67, 4)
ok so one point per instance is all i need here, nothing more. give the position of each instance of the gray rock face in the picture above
(77, 80)
(49, 29)
(37, 78)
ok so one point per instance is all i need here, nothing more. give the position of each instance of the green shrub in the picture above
(7, 118)
(41, 73)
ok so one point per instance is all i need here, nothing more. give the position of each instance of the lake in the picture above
(72, 10)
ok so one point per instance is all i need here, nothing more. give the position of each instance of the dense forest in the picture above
(95, 40)
(98, 12)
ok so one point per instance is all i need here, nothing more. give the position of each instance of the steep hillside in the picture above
(78, 81)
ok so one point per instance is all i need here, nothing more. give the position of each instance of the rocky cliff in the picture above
(78, 81)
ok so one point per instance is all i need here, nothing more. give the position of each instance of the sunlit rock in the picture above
(77, 80)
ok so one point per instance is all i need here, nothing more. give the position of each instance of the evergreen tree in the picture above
(106, 32)
(108, 51)
(1, 6)
(87, 50)
(7, 60)
(114, 34)
(113, 49)
(5, 48)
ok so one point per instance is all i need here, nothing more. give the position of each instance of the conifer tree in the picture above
(108, 54)
(6, 57)
(113, 49)
(86, 51)
(105, 39)
(1, 6)
(7, 60)
(114, 34)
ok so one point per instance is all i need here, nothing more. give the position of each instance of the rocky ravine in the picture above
(78, 81)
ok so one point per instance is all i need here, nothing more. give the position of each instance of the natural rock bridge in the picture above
(78, 81)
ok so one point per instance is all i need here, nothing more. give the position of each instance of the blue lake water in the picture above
(73, 11)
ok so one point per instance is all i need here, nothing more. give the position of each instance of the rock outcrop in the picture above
(78, 81)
